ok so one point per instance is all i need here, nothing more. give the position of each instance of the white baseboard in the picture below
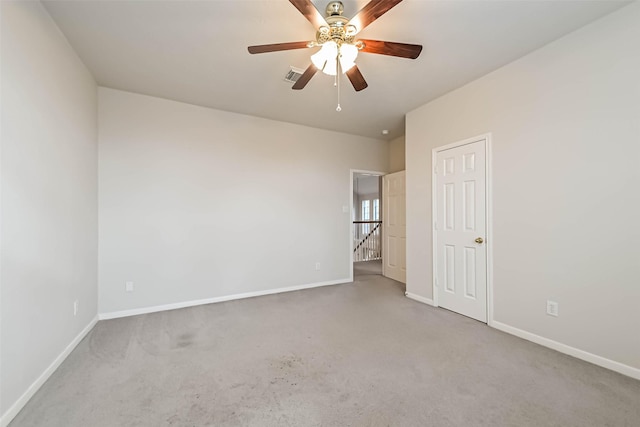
(175, 306)
(419, 298)
(621, 368)
(19, 404)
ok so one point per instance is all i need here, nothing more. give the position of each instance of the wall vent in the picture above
(293, 75)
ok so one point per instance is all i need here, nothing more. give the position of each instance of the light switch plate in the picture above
(552, 308)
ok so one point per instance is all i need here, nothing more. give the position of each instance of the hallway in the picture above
(365, 268)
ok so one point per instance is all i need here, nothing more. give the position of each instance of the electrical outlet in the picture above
(128, 286)
(552, 308)
(317, 266)
(75, 308)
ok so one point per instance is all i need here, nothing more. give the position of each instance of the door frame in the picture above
(351, 212)
(488, 218)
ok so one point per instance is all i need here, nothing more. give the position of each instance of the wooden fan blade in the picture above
(264, 48)
(356, 78)
(402, 50)
(305, 77)
(372, 11)
(310, 12)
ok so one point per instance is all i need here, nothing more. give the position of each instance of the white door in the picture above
(394, 228)
(460, 229)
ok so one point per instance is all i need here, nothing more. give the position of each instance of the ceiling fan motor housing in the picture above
(334, 8)
(339, 29)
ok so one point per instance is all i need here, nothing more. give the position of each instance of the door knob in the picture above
(479, 240)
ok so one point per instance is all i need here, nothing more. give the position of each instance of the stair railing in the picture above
(367, 240)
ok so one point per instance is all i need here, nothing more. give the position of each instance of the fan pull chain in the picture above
(337, 83)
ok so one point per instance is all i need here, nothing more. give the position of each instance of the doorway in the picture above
(366, 219)
(460, 200)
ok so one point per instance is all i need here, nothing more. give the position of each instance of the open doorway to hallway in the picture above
(367, 223)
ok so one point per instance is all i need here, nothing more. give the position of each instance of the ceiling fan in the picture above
(336, 36)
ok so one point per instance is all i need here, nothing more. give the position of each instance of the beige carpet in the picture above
(359, 354)
(363, 268)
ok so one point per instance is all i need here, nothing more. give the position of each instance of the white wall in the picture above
(198, 203)
(49, 200)
(566, 147)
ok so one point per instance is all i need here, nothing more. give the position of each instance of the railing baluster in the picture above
(367, 243)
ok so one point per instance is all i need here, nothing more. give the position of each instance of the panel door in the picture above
(460, 228)
(394, 228)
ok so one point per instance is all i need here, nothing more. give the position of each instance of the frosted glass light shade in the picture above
(348, 55)
(325, 58)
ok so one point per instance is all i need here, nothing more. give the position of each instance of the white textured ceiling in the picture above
(195, 52)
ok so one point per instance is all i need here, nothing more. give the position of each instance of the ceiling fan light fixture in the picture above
(325, 58)
(348, 55)
(336, 38)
